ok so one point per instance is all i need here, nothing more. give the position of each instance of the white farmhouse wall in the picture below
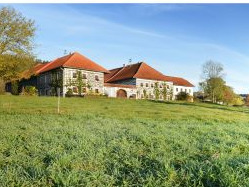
(112, 91)
(178, 89)
(148, 85)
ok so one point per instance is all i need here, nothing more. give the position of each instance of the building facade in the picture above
(74, 71)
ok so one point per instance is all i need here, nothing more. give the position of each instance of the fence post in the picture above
(59, 95)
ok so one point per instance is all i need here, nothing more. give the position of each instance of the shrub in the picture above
(69, 92)
(14, 88)
(30, 90)
(238, 101)
(182, 96)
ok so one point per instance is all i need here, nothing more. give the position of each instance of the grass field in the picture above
(114, 142)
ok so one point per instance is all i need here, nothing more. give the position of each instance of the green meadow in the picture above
(116, 142)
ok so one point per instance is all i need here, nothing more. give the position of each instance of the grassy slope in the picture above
(121, 142)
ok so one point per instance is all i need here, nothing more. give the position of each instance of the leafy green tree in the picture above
(215, 89)
(145, 94)
(16, 43)
(14, 88)
(156, 91)
(213, 84)
(165, 91)
(79, 82)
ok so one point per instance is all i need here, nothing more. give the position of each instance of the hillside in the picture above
(115, 142)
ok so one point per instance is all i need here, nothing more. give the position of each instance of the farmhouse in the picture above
(140, 81)
(136, 81)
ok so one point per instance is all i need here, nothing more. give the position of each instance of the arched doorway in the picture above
(121, 93)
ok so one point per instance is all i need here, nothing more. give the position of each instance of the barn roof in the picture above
(74, 60)
(143, 71)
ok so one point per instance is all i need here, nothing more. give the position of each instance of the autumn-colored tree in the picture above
(247, 100)
(16, 43)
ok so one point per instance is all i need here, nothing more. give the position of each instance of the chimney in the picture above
(123, 65)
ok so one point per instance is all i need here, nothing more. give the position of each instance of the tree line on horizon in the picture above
(17, 45)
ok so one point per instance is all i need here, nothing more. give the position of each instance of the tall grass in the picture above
(115, 142)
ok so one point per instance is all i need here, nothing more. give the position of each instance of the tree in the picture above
(156, 91)
(79, 82)
(231, 98)
(212, 69)
(215, 89)
(213, 84)
(165, 91)
(247, 100)
(16, 43)
(228, 95)
(145, 94)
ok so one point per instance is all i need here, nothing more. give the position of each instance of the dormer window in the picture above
(96, 77)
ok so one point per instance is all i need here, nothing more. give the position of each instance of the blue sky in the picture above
(173, 38)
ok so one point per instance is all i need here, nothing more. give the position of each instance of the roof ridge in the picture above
(69, 57)
(138, 68)
(47, 64)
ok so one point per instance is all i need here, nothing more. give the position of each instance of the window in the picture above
(96, 90)
(161, 86)
(147, 85)
(152, 85)
(167, 86)
(75, 90)
(176, 89)
(186, 90)
(181, 89)
(189, 90)
(96, 77)
(141, 84)
(84, 90)
(74, 75)
(84, 76)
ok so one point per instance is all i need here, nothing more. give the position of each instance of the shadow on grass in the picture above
(204, 105)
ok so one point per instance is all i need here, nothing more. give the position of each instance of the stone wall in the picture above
(90, 78)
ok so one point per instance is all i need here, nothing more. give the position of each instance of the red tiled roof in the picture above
(33, 70)
(179, 81)
(74, 60)
(139, 70)
(111, 74)
(143, 71)
(119, 85)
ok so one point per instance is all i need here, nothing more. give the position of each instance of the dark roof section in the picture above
(119, 85)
